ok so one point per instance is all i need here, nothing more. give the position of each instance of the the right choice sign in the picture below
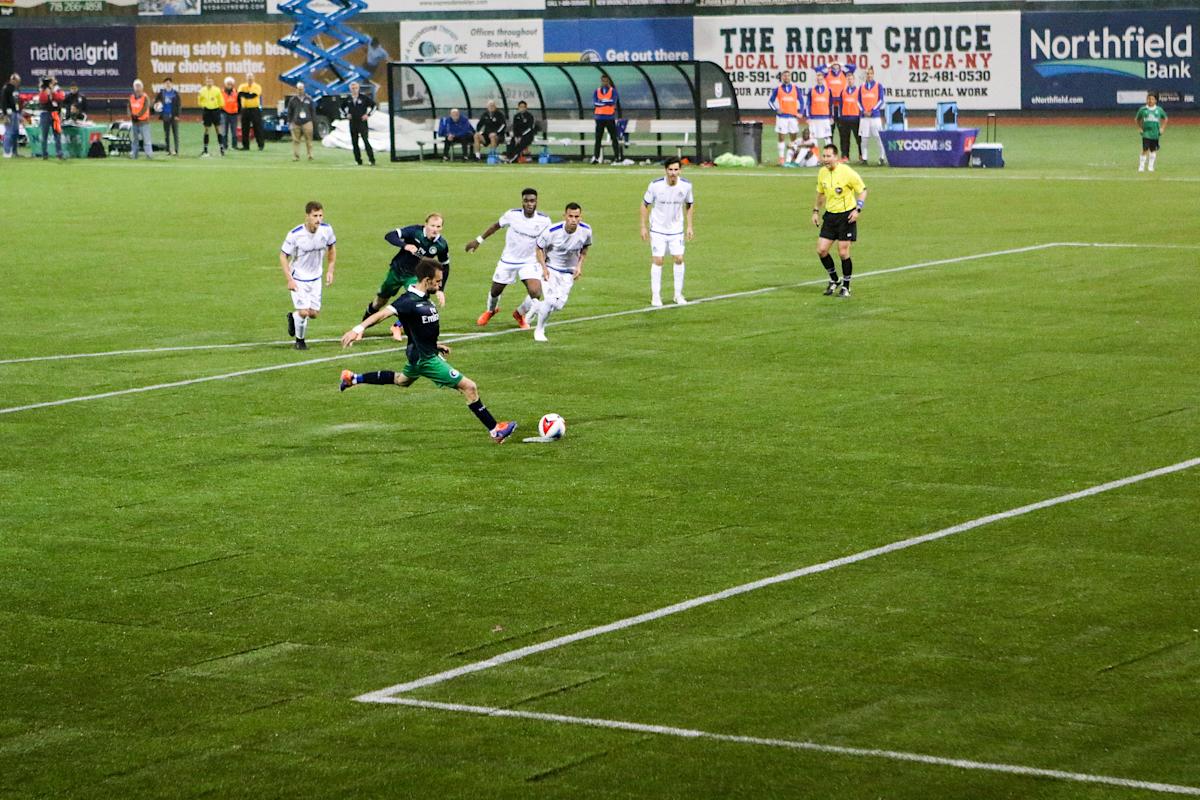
(1108, 60)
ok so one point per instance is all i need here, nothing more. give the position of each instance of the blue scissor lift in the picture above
(305, 40)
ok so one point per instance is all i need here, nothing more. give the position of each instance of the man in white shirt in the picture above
(668, 202)
(517, 261)
(561, 250)
(300, 259)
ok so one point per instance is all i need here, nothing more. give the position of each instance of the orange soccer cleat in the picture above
(486, 316)
(521, 321)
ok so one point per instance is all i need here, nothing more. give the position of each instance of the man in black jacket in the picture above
(524, 128)
(10, 107)
(358, 107)
(493, 125)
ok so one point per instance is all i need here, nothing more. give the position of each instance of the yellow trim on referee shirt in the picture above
(841, 187)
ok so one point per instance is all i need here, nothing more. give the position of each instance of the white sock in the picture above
(1153, 156)
(655, 281)
(783, 149)
(1141, 163)
(297, 321)
(679, 268)
(493, 302)
(526, 304)
(301, 326)
(545, 309)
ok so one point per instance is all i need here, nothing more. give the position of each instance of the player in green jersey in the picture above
(415, 242)
(1151, 121)
(426, 358)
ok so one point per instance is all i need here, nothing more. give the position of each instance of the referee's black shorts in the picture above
(212, 117)
(837, 227)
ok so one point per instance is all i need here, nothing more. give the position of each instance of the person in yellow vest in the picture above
(787, 100)
(139, 118)
(231, 107)
(250, 95)
(871, 97)
(843, 195)
(209, 98)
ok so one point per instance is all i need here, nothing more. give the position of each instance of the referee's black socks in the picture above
(847, 270)
(827, 262)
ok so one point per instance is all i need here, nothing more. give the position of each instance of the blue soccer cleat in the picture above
(502, 431)
(347, 380)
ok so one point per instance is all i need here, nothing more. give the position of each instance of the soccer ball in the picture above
(552, 426)
(158, 108)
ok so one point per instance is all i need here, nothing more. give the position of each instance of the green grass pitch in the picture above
(198, 580)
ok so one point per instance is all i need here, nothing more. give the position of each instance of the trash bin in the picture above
(747, 140)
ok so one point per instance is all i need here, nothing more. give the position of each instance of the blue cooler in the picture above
(987, 155)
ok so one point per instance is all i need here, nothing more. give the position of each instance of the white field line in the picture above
(793, 744)
(463, 336)
(687, 605)
(504, 332)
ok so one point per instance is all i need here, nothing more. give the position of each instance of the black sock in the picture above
(827, 262)
(485, 416)
(847, 270)
(371, 309)
(382, 378)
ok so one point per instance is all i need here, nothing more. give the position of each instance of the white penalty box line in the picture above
(510, 331)
(390, 695)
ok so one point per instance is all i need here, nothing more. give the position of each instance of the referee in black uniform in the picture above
(358, 107)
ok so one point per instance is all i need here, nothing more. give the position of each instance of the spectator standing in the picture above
(358, 108)
(209, 99)
(300, 113)
(456, 129)
(250, 101)
(231, 108)
(10, 106)
(605, 105)
(139, 118)
(50, 101)
(493, 126)
(166, 103)
(524, 128)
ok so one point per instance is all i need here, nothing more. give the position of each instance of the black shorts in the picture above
(1149, 144)
(212, 116)
(837, 227)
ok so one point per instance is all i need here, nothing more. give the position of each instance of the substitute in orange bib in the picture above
(871, 97)
(820, 110)
(835, 81)
(850, 118)
(842, 195)
(139, 118)
(787, 101)
(605, 105)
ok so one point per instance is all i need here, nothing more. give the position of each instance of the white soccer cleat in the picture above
(540, 336)
(680, 301)
(656, 302)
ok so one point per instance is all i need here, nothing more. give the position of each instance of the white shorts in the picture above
(558, 288)
(787, 125)
(307, 295)
(662, 243)
(870, 126)
(507, 273)
(820, 128)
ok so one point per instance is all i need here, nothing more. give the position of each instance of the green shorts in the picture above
(437, 369)
(394, 284)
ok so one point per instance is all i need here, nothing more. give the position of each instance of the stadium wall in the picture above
(995, 59)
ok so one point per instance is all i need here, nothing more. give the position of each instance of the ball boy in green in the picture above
(1151, 121)
(426, 357)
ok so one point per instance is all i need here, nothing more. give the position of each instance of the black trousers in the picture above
(609, 125)
(359, 128)
(518, 145)
(252, 118)
(847, 127)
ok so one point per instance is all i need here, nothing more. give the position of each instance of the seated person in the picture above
(804, 151)
(456, 129)
(75, 105)
(524, 128)
(491, 130)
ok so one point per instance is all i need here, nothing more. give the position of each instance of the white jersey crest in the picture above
(668, 204)
(521, 238)
(308, 250)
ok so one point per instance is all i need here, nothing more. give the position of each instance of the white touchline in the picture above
(389, 695)
(794, 744)
(725, 594)
(510, 331)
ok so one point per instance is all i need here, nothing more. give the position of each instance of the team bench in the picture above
(579, 135)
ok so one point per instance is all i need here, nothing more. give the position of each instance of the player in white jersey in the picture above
(561, 250)
(667, 204)
(300, 259)
(517, 261)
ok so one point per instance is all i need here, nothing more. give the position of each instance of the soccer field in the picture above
(935, 540)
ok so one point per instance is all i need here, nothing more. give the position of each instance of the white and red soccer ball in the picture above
(552, 426)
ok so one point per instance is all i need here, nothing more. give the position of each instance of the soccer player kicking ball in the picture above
(561, 250)
(300, 259)
(419, 316)
(842, 193)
